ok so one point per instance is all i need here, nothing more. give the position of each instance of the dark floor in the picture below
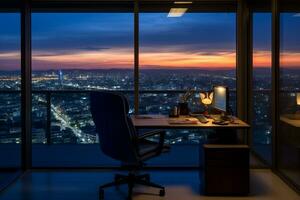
(90, 155)
(7, 176)
(83, 185)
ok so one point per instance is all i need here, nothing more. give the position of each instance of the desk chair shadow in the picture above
(119, 140)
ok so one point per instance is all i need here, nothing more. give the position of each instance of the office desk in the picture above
(288, 119)
(222, 172)
(162, 122)
(224, 133)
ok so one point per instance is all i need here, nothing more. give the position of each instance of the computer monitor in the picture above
(220, 100)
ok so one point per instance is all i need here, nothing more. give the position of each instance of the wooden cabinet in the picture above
(226, 169)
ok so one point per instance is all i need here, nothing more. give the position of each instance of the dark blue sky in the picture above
(58, 34)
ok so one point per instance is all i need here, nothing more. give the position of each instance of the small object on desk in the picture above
(216, 117)
(222, 117)
(206, 98)
(183, 108)
(220, 122)
(174, 112)
(202, 119)
(183, 121)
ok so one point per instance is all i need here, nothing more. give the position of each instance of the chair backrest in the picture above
(117, 135)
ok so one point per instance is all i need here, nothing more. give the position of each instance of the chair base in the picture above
(131, 180)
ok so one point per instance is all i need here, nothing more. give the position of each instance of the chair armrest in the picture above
(152, 133)
(161, 141)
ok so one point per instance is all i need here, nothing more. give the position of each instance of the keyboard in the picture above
(216, 118)
(221, 118)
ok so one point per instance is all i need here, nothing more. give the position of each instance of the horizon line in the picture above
(147, 68)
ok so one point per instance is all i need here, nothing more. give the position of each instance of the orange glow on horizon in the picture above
(290, 59)
(262, 59)
(90, 59)
(123, 58)
(188, 60)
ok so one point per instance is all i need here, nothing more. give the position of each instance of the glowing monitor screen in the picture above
(220, 98)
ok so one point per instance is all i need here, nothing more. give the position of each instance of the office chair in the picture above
(120, 141)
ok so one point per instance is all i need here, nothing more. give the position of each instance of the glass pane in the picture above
(188, 51)
(262, 115)
(289, 102)
(181, 53)
(81, 52)
(10, 107)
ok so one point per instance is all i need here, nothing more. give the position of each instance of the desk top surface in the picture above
(289, 120)
(163, 121)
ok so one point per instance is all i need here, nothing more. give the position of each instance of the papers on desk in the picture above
(183, 121)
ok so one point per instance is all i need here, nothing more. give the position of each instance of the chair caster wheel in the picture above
(162, 192)
(101, 194)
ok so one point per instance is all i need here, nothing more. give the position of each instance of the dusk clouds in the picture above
(105, 40)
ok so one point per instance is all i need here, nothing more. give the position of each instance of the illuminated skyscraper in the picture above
(60, 77)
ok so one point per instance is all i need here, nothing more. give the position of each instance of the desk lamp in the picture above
(206, 99)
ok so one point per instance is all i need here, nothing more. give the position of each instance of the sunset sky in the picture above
(105, 40)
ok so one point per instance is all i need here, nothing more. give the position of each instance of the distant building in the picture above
(60, 77)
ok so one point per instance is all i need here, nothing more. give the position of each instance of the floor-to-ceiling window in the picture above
(10, 84)
(73, 53)
(178, 50)
(262, 115)
(181, 49)
(288, 141)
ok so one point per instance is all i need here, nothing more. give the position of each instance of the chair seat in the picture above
(149, 149)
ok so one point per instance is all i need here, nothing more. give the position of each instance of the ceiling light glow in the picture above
(177, 12)
(183, 2)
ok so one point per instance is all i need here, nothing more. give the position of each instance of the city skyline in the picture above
(71, 120)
